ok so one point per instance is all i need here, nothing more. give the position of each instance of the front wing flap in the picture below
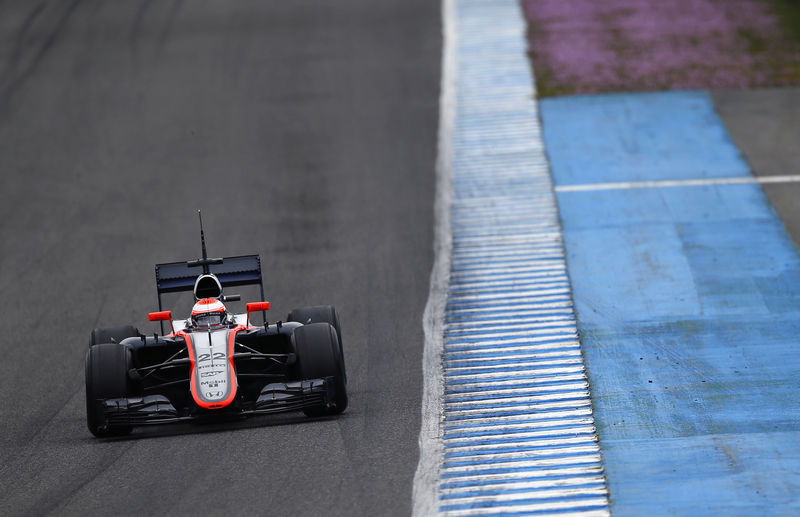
(274, 398)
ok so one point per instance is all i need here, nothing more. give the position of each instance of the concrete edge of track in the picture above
(431, 448)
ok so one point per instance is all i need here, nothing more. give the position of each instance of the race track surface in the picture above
(687, 305)
(306, 132)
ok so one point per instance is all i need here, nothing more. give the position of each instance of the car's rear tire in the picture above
(317, 349)
(113, 334)
(319, 314)
(107, 366)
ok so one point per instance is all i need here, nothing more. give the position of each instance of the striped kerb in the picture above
(518, 433)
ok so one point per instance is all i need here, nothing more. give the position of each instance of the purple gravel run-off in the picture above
(585, 46)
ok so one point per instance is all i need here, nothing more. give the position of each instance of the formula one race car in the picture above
(214, 364)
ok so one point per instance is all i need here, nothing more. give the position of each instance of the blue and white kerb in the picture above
(518, 431)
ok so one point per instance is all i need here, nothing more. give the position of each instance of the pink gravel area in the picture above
(589, 46)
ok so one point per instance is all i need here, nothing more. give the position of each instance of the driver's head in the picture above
(209, 312)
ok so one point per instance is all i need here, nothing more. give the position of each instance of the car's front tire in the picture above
(107, 366)
(320, 314)
(318, 356)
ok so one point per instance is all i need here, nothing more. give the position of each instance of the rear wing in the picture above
(175, 277)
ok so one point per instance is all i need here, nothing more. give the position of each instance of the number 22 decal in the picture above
(206, 357)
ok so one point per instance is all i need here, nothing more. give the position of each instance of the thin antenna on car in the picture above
(206, 269)
(205, 261)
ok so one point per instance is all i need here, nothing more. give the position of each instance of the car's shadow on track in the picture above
(230, 425)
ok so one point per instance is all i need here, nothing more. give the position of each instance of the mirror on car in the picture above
(256, 307)
(162, 316)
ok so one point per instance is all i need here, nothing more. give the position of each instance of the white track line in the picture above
(794, 178)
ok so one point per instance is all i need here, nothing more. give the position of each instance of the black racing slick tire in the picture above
(113, 334)
(107, 366)
(319, 314)
(317, 349)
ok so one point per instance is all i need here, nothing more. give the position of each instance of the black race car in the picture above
(214, 364)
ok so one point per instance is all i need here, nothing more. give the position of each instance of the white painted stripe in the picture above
(552, 323)
(509, 300)
(520, 440)
(495, 352)
(531, 294)
(509, 321)
(514, 274)
(508, 261)
(546, 443)
(526, 385)
(453, 494)
(555, 316)
(515, 381)
(474, 236)
(509, 310)
(511, 281)
(522, 432)
(559, 329)
(507, 230)
(545, 493)
(527, 463)
(516, 241)
(478, 340)
(503, 240)
(517, 228)
(491, 457)
(508, 392)
(529, 205)
(516, 289)
(466, 348)
(505, 277)
(455, 369)
(547, 331)
(539, 508)
(579, 476)
(551, 417)
(453, 395)
(505, 356)
(522, 473)
(513, 401)
(507, 248)
(539, 407)
(454, 362)
(459, 258)
(513, 424)
(520, 375)
(540, 265)
(485, 343)
(793, 178)
(454, 353)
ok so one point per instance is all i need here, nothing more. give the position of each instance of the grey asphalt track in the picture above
(765, 124)
(306, 131)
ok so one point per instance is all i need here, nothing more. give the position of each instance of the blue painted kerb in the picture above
(688, 302)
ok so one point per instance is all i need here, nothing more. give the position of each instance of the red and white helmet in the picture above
(209, 312)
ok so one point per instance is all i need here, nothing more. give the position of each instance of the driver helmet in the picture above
(209, 312)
